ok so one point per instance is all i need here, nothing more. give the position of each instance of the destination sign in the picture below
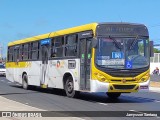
(45, 41)
(121, 29)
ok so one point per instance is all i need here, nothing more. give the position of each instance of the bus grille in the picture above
(124, 87)
(123, 74)
(121, 80)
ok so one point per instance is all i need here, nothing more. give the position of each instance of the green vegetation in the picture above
(156, 50)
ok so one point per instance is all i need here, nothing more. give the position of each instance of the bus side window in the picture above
(34, 51)
(20, 53)
(53, 52)
(16, 53)
(25, 52)
(10, 54)
(57, 47)
(71, 45)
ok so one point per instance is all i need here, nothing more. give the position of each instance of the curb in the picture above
(154, 89)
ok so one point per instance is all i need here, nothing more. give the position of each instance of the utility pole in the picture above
(1, 51)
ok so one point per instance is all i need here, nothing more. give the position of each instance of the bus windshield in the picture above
(122, 53)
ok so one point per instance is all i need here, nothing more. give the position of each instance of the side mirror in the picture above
(94, 43)
(151, 49)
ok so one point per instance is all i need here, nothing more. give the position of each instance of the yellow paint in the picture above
(18, 64)
(75, 73)
(104, 77)
(43, 86)
(86, 27)
(122, 91)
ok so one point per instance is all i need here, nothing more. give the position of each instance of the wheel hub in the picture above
(70, 87)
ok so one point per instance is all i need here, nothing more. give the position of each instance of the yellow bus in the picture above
(97, 57)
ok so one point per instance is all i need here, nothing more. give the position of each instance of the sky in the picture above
(25, 18)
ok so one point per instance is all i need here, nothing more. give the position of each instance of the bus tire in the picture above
(113, 95)
(25, 82)
(69, 88)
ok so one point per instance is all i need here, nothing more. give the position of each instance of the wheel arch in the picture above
(65, 76)
(75, 79)
(75, 92)
(23, 73)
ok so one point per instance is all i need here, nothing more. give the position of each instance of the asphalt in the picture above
(155, 78)
(155, 83)
(10, 106)
(9, 95)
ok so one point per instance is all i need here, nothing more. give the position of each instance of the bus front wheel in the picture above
(69, 88)
(113, 95)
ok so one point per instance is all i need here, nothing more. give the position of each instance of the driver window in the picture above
(134, 49)
(141, 48)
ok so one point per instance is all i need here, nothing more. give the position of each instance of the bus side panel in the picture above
(33, 72)
(14, 73)
(11, 71)
(9, 74)
(76, 74)
(58, 68)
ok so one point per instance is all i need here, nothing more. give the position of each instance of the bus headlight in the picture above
(100, 77)
(145, 78)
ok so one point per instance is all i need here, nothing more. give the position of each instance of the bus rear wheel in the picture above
(25, 82)
(69, 88)
(113, 95)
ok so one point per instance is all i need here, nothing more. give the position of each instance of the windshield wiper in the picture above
(134, 42)
(116, 43)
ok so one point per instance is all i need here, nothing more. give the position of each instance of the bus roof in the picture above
(91, 26)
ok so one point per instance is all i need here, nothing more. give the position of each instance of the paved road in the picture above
(155, 78)
(54, 100)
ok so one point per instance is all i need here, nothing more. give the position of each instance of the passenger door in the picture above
(85, 63)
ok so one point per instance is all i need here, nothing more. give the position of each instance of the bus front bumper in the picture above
(97, 86)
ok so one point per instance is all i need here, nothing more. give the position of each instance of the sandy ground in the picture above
(155, 84)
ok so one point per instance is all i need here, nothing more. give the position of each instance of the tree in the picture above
(156, 50)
